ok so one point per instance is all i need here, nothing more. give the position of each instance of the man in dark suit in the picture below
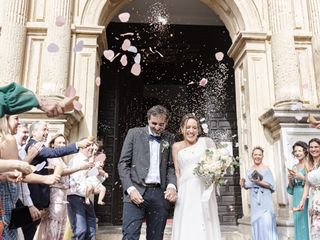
(148, 177)
(40, 193)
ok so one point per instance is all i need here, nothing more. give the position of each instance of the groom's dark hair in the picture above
(158, 110)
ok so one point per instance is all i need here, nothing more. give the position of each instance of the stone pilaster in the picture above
(12, 40)
(54, 74)
(285, 64)
(314, 16)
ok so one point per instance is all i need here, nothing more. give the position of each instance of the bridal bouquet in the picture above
(214, 164)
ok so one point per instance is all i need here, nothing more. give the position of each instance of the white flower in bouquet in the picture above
(214, 165)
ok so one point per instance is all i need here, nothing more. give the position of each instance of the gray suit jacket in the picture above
(134, 161)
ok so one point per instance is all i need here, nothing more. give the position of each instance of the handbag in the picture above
(20, 216)
(256, 175)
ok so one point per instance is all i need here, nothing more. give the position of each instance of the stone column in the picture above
(56, 52)
(314, 16)
(12, 41)
(285, 63)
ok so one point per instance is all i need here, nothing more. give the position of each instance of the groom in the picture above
(148, 177)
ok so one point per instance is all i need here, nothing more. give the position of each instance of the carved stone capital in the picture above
(275, 117)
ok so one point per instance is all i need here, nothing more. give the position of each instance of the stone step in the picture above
(114, 233)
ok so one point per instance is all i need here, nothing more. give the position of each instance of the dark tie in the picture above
(154, 138)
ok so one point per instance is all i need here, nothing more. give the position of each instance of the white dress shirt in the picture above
(153, 175)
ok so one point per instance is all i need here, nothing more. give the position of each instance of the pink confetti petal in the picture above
(127, 34)
(77, 105)
(108, 54)
(124, 17)
(203, 82)
(126, 44)
(159, 53)
(132, 49)
(71, 91)
(98, 81)
(192, 82)
(79, 46)
(60, 21)
(137, 58)
(219, 56)
(124, 60)
(136, 69)
(52, 47)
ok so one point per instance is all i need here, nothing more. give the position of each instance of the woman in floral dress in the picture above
(312, 187)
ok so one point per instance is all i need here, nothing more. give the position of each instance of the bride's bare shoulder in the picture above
(177, 146)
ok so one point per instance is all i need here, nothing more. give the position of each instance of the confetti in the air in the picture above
(115, 57)
(79, 46)
(151, 50)
(297, 106)
(108, 54)
(137, 58)
(98, 81)
(60, 21)
(77, 105)
(203, 82)
(124, 17)
(126, 44)
(71, 91)
(136, 69)
(299, 117)
(124, 60)
(219, 56)
(132, 49)
(52, 47)
(127, 34)
(190, 83)
(202, 119)
(159, 53)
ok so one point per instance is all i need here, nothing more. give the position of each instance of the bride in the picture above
(193, 217)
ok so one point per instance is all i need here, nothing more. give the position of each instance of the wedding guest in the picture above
(297, 178)
(52, 225)
(15, 99)
(81, 215)
(312, 188)
(260, 181)
(40, 193)
(9, 190)
(147, 174)
(191, 218)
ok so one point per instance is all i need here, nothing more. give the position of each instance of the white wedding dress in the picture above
(194, 218)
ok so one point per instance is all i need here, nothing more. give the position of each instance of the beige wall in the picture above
(275, 49)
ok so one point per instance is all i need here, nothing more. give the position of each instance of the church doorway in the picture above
(186, 69)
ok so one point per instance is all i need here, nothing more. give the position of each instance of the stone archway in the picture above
(265, 63)
(244, 23)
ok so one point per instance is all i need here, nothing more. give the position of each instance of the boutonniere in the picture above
(165, 145)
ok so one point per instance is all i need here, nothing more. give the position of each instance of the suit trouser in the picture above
(154, 210)
(82, 218)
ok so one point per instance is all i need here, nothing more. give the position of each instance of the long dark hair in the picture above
(311, 160)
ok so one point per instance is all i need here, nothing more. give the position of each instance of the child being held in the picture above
(96, 176)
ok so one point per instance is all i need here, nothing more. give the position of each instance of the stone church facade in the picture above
(276, 53)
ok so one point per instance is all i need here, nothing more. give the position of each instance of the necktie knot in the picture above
(154, 138)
